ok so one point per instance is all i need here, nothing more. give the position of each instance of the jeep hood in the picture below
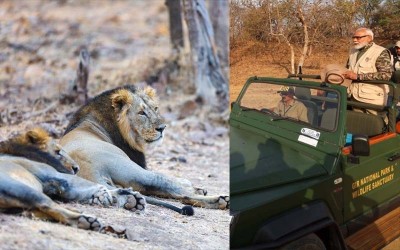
(260, 161)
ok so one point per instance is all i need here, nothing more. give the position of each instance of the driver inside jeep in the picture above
(289, 106)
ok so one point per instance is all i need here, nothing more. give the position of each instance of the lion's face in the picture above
(138, 118)
(40, 138)
(59, 153)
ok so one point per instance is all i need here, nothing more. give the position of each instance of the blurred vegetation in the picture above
(306, 27)
(326, 19)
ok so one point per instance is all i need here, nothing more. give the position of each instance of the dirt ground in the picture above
(127, 40)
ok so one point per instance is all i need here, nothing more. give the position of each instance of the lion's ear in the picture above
(150, 92)
(121, 98)
(37, 136)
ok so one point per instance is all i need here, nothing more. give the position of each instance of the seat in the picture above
(328, 118)
(304, 95)
(396, 76)
(364, 124)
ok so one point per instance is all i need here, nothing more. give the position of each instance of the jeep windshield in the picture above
(298, 104)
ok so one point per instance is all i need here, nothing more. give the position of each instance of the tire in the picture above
(308, 242)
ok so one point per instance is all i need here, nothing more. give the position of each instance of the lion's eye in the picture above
(142, 113)
(156, 109)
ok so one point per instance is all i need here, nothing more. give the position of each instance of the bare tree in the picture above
(211, 85)
(219, 13)
(289, 23)
(78, 91)
(366, 10)
(82, 76)
(300, 16)
(299, 24)
(280, 30)
(235, 22)
(175, 23)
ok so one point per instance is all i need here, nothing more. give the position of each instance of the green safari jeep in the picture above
(309, 184)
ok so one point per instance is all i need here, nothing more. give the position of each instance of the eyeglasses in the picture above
(358, 37)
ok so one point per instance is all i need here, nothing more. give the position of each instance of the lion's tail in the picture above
(185, 210)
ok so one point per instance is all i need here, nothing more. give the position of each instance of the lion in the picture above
(108, 138)
(34, 169)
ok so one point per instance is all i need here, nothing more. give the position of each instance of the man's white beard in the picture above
(360, 45)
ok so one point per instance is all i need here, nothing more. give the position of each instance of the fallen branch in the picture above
(77, 92)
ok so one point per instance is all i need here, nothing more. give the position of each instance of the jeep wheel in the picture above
(308, 242)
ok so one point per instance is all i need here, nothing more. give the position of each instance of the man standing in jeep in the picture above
(289, 106)
(368, 61)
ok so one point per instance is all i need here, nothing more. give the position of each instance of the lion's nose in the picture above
(75, 168)
(161, 128)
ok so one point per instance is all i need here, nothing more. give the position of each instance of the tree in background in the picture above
(235, 23)
(219, 13)
(211, 84)
(175, 24)
(305, 25)
(206, 47)
(386, 20)
(366, 10)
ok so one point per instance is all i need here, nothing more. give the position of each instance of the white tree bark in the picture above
(219, 13)
(211, 85)
(303, 22)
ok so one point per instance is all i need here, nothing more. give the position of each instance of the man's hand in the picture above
(350, 75)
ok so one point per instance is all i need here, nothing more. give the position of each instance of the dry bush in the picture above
(272, 59)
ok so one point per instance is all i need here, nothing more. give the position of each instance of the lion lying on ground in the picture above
(34, 168)
(108, 137)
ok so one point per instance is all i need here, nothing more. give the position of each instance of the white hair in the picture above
(367, 32)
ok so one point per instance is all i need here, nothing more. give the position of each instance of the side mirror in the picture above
(232, 103)
(360, 145)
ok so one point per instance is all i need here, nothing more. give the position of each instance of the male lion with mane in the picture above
(34, 169)
(108, 138)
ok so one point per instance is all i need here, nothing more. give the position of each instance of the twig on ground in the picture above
(43, 111)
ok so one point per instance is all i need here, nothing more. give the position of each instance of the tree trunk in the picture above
(302, 20)
(82, 76)
(211, 85)
(292, 68)
(175, 23)
(77, 91)
(219, 13)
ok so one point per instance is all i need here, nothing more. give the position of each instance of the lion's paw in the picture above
(223, 202)
(200, 191)
(130, 200)
(88, 222)
(102, 197)
(135, 201)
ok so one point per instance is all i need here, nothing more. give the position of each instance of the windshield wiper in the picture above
(249, 109)
(281, 118)
(266, 111)
(269, 112)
